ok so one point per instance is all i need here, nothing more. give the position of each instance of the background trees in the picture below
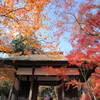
(26, 46)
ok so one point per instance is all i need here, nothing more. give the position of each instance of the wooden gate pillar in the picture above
(31, 85)
(61, 91)
(35, 89)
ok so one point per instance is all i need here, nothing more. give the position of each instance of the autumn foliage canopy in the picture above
(20, 18)
(79, 19)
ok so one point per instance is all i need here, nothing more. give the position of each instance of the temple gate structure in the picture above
(31, 80)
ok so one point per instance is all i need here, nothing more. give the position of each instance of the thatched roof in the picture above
(44, 56)
(36, 60)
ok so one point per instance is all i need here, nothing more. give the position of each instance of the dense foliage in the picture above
(20, 45)
(5, 88)
(20, 17)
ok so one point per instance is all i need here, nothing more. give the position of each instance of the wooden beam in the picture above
(37, 63)
(31, 85)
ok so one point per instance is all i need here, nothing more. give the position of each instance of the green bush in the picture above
(5, 88)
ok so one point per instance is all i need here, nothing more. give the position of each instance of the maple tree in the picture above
(19, 18)
(86, 42)
(7, 74)
(82, 21)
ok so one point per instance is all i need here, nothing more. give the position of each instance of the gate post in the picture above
(31, 85)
